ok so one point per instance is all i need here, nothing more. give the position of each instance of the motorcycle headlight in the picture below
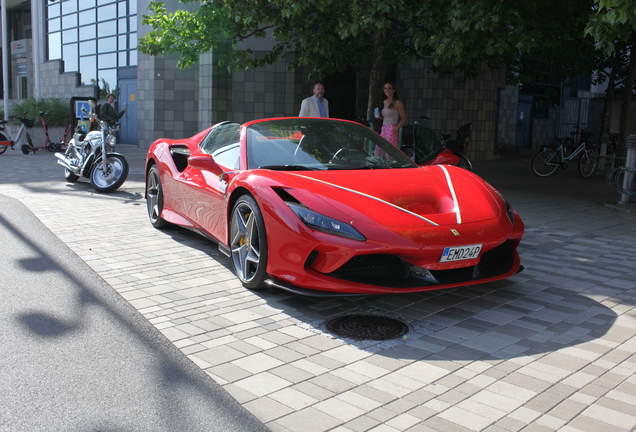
(318, 222)
(112, 140)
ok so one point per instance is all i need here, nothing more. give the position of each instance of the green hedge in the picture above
(57, 111)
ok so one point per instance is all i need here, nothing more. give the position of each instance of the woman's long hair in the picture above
(395, 94)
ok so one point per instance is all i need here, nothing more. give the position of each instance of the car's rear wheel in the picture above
(248, 243)
(154, 199)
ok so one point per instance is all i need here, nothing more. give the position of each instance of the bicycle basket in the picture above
(28, 122)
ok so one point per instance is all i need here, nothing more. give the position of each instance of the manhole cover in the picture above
(367, 327)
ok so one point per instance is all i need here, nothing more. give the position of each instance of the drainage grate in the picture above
(367, 327)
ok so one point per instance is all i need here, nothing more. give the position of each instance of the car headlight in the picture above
(325, 224)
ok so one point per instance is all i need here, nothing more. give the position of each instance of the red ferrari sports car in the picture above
(328, 207)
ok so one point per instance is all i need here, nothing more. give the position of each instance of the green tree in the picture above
(613, 27)
(331, 35)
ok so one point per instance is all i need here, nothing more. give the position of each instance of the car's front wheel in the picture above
(248, 243)
(154, 198)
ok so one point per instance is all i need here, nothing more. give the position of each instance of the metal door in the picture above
(524, 125)
(128, 98)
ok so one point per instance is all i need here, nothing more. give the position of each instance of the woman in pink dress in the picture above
(393, 115)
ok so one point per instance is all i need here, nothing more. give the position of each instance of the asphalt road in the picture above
(77, 357)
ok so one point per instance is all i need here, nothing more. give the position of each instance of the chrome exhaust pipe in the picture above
(62, 160)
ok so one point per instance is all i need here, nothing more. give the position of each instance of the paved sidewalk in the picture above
(550, 349)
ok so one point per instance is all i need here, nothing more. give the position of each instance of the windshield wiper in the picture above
(288, 167)
(357, 167)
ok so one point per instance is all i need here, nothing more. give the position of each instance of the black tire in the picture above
(3, 148)
(70, 177)
(464, 162)
(587, 163)
(540, 159)
(27, 148)
(154, 199)
(113, 178)
(248, 243)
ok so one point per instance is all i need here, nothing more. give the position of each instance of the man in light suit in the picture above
(316, 105)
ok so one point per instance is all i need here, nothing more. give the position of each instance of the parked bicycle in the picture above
(5, 136)
(548, 160)
(570, 143)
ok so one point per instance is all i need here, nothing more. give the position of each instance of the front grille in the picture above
(376, 269)
(391, 271)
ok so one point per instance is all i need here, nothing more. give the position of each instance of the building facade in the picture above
(88, 49)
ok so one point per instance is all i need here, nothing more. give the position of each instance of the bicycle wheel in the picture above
(3, 148)
(587, 163)
(541, 160)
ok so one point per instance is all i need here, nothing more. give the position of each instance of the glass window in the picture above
(87, 48)
(71, 63)
(88, 69)
(69, 21)
(87, 16)
(107, 61)
(107, 44)
(87, 4)
(107, 79)
(106, 13)
(55, 45)
(223, 144)
(69, 36)
(53, 10)
(69, 6)
(88, 32)
(108, 28)
(54, 24)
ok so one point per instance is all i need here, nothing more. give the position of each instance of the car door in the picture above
(203, 192)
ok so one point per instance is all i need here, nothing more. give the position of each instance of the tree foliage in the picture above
(330, 36)
(613, 27)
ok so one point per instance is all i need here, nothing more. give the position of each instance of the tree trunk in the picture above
(376, 77)
(627, 99)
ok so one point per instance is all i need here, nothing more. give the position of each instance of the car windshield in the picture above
(319, 144)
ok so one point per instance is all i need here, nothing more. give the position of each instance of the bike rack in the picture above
(621, 179)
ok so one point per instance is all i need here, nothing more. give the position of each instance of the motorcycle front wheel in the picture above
(113, 177)
(70, 177)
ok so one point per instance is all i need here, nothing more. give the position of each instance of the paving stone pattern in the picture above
(552, 348)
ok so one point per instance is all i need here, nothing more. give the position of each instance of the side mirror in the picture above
(205, 163)
(92, 103)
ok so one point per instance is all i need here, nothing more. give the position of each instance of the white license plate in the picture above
(459, 253)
